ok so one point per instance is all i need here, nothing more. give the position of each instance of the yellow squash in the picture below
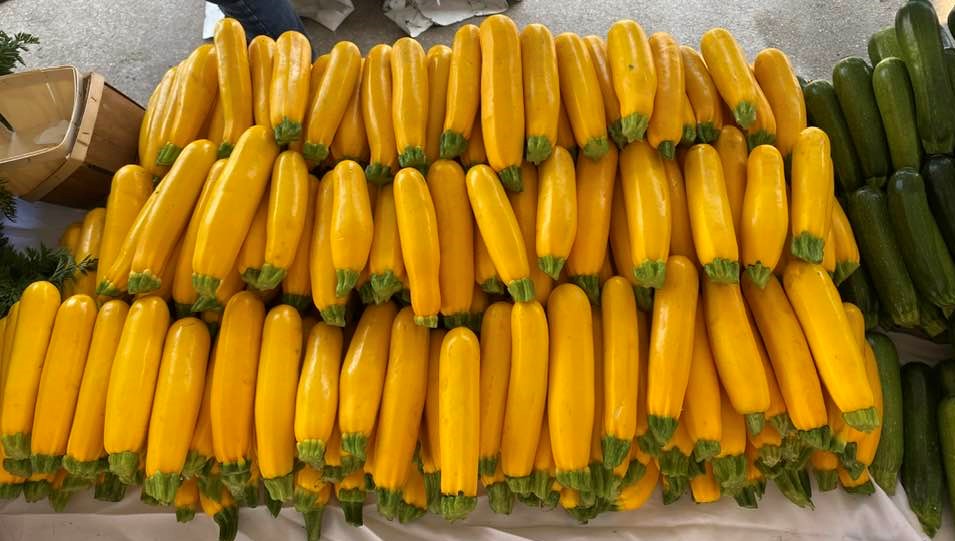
(580, 93)
(289, 87)
(363, 377)
(775, 77)
(646, 197)
(351, 141)
(183, 294)
(464, 92)
(38, 306)
(186, 500)
(439, 70)
(839, 359)
(132, 381)
(288, 207)
(459, 410)
(597, 48)
(114, 282)
(376, 104)
(621, 369)
(763, 130)
(261, 58)
(429, 431)
(666, 124)
(688, 117)
(499, 229)
(541, 92)
(789, 353)
(91, 236)
(235, 82)
(128, 193)
(556, 212)
(620, 234)
(701, 413)
(316, 401)
(595, 190)
(474, 153)
(711, 218)
(199, 460)
(671, 347)
(812, 187)
(733, 151)
(634, 76)
(231, 207)
(420, 246)
(252, 254)
(526, 394)
(729, 466)
(496, 339)
(321, 269)
(565, 134)
(316, 73)
(637, 494)
(485, 275)
(824, 464)
(736, 352)
(175, 407)
(704, 487)
(845, 249)
(331, 98)
(402, 403)
(351, 225)
(196, 89)
(765, 218)
(570, 402)
(704, 97)
(681, 232)
(525, 205)
(60, 382)
(502, 99)
(409, 101)
(84, 448)
(449, 194)
(275, 399)
(730, 72)
(150, 133)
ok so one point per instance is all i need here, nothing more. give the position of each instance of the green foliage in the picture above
(11, 48)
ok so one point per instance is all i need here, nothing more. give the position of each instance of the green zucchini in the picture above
(852, 79)
(893, 93)
(869, 215)
(888, 456)
(922, 463)
(884, 44)
(926, 256)
(948, 55)
(951, 21)
(946, 377)
(939, 176)
(823, 106)
(946, 435)
(917, 29)
(931, 318)
(857, 289)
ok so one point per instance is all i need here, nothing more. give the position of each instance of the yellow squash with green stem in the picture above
(813, 184)
(420, 246)
(666, 124)
(729, 465)
(765, 218)
(316, 401)
(376, 111)
(332, 98)
(132, 382)
(386, 265)
(186, 500)
(199, 459)
(524, 204)
(235, 82)
(60, 382)
(845, 249)
(288, 206)
(429, 433)
(150, 132)
(570, 400)
(402, 403)
(321, 269)
(839, 359)
(502, 99)
(730, 72)
(128, 193)
(316, 73)
(595, 190)
(681, 232)
(232, 397)
(463, 93)
(459, 421)
(37, 311)
(734, 152)
(701, 413)
(175, 407)
(776, 78)
(621, 370)
(87, 247)
(352, 227)
(703, 95)
(116, 279)
(449, 194)
(634, 76)
(711, 218)
(580, 93)
(646, 197)
(763, 130)
(439, 71)
(671, 347)
(289, 87)
(84, 448)
(597, 48)
(351, 141)
(232, 205)
(409, 101)
(195, 92)
(499, 229)
(252, 254)
(363, 377)
(496, 342)
(261, 59)
(556, 212)
(541, 92)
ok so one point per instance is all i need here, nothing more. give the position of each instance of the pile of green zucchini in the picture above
(891, 125)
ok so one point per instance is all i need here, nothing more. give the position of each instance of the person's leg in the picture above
(262, 17)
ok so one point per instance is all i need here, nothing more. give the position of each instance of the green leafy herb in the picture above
(11, 48)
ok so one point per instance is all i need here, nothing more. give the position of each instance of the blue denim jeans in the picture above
(262, 17)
